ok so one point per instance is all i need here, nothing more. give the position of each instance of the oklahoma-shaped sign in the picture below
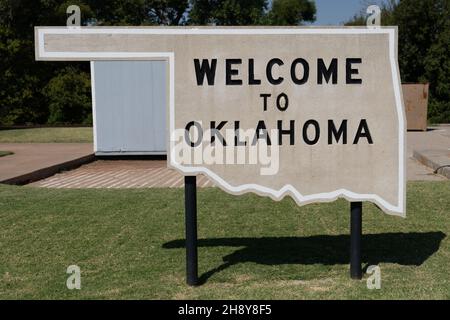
(314, 113)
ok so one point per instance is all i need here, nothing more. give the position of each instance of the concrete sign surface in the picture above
(314, 113)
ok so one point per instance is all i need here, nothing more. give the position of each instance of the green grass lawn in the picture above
(46, 135)
(129, 245)
(5, 153)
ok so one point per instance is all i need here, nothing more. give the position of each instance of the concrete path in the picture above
(32, 161)
(416, 171)
(431, 148)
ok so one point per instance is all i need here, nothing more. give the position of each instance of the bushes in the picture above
(49, 92)
(69, 97)
(20, 96)
(423, 48)
(437, 72)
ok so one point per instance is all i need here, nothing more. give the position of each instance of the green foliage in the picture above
(20, 98)
(139, 12)
(68, 94)
(292, 12)
(419, 27)
(251, 12)
(227, 12)
(437, 72)
(32, 92)
(28, 89)
(423, 47)
(168, 12)
(38, 92)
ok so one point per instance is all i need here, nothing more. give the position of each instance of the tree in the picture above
(139, 12)
(69, 97)
(292, 12)
(251, 12)
(23, 98)
(437, 71)
(20, 99)
(423, 47)
(36, 92)
(169, 12)
(227, 12)
(419, 27)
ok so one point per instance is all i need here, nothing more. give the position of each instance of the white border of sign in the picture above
(395, 209)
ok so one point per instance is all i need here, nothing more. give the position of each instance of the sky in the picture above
(336, 12)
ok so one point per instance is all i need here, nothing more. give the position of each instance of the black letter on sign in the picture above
(205, 69)
(237, 141)
(286, 101)
(265, 96)
(305, 71)
(290, 132)
(232, 72)
(337, 133)
(261, 127)
(215, 131)
(251, 73)
(363, 131)
(187, 136)
(322, 71)
(350, 71)
(305, 132)
(269, 71)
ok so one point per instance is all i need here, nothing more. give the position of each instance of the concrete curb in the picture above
(49, 171)
(427, 159)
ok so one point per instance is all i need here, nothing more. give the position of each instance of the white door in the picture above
(129, 102)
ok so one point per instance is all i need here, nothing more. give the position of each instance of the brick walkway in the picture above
(120, 174)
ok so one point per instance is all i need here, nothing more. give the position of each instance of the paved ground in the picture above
(120, 174)
(31, 157)
(432, 147)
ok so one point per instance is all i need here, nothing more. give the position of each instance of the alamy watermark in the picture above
(374, 280)
(196, 146)
(74, 280)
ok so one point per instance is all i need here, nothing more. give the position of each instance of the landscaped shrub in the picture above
(69, 96)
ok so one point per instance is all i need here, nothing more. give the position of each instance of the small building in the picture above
(129, 107)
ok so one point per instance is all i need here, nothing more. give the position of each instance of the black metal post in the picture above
(190, 207)
(355, 240)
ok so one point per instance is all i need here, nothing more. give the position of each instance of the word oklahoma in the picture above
(310, 132)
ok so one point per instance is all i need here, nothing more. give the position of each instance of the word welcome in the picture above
(299, 71)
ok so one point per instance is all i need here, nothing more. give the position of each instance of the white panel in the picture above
(130, 106)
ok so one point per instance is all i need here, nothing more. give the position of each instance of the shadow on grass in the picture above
(412, 248)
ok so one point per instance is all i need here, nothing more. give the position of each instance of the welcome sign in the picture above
(312, 113)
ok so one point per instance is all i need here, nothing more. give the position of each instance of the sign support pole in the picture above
(190, 205)
(355, 240)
